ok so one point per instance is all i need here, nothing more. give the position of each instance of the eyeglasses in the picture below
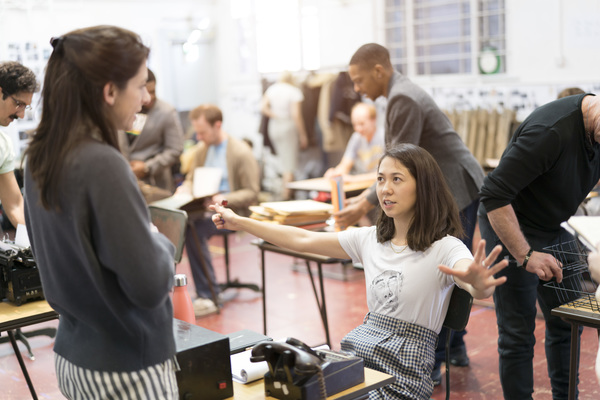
(20, 105)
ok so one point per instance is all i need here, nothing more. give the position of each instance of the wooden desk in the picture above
(15, 317)
(351, 183)
(576, 316)
(307, 257)
(34, 312)
(373, 380)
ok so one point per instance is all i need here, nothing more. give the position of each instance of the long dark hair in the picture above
(436, 213)
(82, 63)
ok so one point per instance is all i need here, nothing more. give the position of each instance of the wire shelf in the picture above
(577, 289)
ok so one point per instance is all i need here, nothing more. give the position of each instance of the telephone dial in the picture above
(297, 372)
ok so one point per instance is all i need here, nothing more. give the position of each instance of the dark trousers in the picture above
(515, 303)
(468, 217)
(205, 229)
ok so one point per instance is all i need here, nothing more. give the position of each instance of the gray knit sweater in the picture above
(102, 269)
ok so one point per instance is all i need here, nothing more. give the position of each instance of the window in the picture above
(429, 37)
(287, 35)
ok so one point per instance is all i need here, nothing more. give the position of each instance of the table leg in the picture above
(574, 360)
(324, 305)
(264, 295)
(11, 336)
(320, 303)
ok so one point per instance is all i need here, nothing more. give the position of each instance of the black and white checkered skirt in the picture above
(398, 348)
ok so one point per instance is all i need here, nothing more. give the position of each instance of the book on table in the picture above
(293, 212)
(205, 184)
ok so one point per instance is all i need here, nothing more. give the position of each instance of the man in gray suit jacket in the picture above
(412, 116)
(157, 148)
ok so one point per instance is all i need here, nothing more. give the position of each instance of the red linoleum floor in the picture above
(292, 311)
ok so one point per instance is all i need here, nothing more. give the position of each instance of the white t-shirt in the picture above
(281, 96)
(407, 285)
(7, 154)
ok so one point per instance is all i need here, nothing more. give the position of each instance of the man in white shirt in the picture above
(17, 85)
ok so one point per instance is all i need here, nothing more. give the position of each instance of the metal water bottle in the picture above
(182, 302)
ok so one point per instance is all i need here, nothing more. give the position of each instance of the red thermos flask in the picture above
(182, 302)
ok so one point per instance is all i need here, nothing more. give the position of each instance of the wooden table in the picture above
(14, 317)
(576, 316)
(307, 257)
(373, 380)
(352, 183)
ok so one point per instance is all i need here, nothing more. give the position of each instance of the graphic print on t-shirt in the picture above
(386, 288)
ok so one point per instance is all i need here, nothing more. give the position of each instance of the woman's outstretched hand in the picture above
(480, 272)
(223, 218)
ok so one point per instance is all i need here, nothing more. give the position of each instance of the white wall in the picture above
(554, 40)
(159, 24)
(551, 44)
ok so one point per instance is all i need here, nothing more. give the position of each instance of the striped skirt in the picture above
(398, 348)
(157, 382)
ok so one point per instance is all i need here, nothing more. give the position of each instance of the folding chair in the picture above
(171, 223)
(456, 319)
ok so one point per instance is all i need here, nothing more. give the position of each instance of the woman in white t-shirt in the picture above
(282, 103)
(411, 258)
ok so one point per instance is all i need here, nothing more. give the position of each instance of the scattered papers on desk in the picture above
(245, 371)
(586, 229)
(293, 212)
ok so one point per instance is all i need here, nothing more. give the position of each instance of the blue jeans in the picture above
(468, 217)
(515, 303)
(205, 229)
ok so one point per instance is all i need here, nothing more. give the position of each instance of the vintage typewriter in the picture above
(19, 275)
(297, 372)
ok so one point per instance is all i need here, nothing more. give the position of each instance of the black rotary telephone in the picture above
(297, 372)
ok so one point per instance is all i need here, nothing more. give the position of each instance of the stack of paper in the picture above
(293, 212)
(245, 371)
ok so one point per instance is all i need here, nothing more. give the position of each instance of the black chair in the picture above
(456, 319)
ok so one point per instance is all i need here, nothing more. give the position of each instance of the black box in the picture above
(203, 358)
(244, 340)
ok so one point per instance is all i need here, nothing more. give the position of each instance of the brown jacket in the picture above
(243, 171)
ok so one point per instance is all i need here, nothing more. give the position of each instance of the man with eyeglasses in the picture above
(17, 85)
